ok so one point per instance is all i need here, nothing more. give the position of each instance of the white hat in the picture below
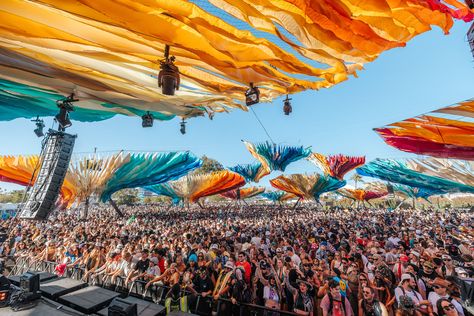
(154, 260)
(214, 246)
(230, 265)
(405, 276)
(119, 246)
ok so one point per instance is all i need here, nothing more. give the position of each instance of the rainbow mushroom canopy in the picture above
(413, 192)
(336, 166)
(306, 186)
(399, 172)
(443, 133)
(251, 172)
(89, 175)
(193, 187)
(110, 57)
(278, 196)
(361, 194)
(276, 157)
(145, 169)
(165, 189)
(23, 170)
(244, 193)
(18, 169)
(102, 176)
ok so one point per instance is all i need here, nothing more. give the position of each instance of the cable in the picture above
(261, 124)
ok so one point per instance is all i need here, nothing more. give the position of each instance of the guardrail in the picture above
(156, 293)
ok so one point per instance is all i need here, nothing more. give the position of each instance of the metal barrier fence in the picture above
(157, 293)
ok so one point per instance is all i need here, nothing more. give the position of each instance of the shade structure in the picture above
(244, 193)
(413, 192)
(193, 187)
(19, 169)
(144, 169)
(306, 186)
(89, 175)
(165, 189)
(398, 172)
(23, 170)
(445, 133)
(278, 196)
(361, 194)
(251, 172)
(102, 176)
(455, 170)
(337, 165)
(108, 53)
(276, 157)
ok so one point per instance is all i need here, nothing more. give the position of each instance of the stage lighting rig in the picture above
(287, 108)
(147, 120)
(65, 106)
(182, 127)
(168, 77)
(252, 95)
(39, 127)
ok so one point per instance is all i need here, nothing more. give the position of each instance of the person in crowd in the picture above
(369, 306)
(335, 304)
(446, 308)
(272, 256)
(440, 291)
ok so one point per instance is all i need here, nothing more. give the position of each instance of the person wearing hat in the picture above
(223, 280)
(400, 267)
(202, 285)
(440, 290)
(428, 274)
(406, 288)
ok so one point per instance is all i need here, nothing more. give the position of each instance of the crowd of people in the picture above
(337, 262)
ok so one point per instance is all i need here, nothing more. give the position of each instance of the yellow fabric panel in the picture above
(436, 129)
(465, 108)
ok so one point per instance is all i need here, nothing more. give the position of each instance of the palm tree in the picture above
(356, 178)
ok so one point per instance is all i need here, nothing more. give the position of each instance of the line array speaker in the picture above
(55, 159)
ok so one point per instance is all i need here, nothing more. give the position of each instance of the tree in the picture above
(15, 196)
(126, 196)
(208, 165)
(356, 178)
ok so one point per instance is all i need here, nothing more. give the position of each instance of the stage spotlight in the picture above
(252, 95)
(147, 120)
(287, 109)
(39, 127)
(168, 77)
(182, 128)
(65, 106)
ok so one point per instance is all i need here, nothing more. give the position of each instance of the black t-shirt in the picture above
(292, 277)
(142, 265)
(202, 285)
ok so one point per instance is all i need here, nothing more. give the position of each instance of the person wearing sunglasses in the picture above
(440, 290)
(446, 308)
(448, 268)
(369, 306)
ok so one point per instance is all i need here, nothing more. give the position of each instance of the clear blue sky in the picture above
(432, 71)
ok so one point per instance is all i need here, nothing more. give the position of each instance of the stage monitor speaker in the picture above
(30, 282)
(55, 159)
(120, 307)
